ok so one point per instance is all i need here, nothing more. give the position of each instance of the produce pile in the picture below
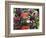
(26, 18)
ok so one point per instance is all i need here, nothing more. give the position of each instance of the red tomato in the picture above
(24, 15)
(25, 27)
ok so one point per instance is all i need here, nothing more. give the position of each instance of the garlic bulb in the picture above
(28, 21)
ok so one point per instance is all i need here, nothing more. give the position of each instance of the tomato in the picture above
(25, 27)
(24, 15)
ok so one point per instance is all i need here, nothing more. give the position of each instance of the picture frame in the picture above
(9, 5)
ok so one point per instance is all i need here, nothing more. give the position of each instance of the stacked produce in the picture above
(26, 18)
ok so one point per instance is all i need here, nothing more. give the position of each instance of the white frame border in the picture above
(25, 31)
